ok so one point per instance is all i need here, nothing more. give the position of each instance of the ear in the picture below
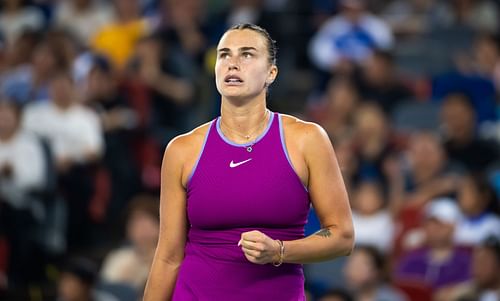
(273, 72)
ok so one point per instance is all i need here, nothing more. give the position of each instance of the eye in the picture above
(223, 55)
(247, 55)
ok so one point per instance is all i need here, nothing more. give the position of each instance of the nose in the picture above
(233, 64)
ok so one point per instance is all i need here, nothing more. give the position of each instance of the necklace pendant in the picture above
(249, 149)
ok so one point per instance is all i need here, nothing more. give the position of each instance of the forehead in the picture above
(235, 39)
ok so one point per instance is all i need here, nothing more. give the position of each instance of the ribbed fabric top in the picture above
(232, 191)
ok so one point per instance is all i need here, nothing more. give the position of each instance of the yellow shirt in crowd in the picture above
(117, 41)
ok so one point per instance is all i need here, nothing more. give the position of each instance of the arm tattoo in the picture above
(325, 232)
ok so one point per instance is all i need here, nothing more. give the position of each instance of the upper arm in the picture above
(93, 136)
(322, 50)
(173, 218)
(326, 186)
(30, 168)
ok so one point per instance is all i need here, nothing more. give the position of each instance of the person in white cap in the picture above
(440, 263)
(349, 37)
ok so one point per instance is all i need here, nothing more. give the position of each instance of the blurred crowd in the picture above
(92, 91)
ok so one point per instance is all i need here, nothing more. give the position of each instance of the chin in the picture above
(232, 94)
(235, 97)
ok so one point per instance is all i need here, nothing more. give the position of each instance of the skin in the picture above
(458, 119)
(9, 121)
(9, 124)
(71, 288)
(244, 53)
(470, 199)
(485, 266)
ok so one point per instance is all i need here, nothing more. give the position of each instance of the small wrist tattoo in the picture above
(324, 232)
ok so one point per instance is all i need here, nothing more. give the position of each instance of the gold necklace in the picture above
(250, 135)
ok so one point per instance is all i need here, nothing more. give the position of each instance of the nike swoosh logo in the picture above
(233, 164)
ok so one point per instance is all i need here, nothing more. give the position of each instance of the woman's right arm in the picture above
(173, 226)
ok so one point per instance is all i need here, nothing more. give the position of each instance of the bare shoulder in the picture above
(184, 146)
(304, 132)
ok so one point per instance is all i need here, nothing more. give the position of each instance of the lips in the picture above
(232, 79)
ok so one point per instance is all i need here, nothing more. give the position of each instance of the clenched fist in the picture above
(259, 248)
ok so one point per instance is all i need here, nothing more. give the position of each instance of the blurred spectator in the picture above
(477, 200)
(349, 38)
(336, 110)
(29, 83)
(20, 52)
(73, 130)
(182, 28)
(245, 11)
(3, 56)
(439, 263)
(480, 15)
(177, 50)
(459, 130)
(117, 40)
(83, 18)
(170, 81)
(379, 81)
(484, 60)
(336, 295)
(120, 123)
(372, 141)
(476, 88)
(348, 161)
(365, 275)
(485, 284)
(77, 282)
(417, 17)
(75, 137)
(22, 175)
(373, 223)
(268, 14)
(16, 17)
(22, 164)
(421, 175)
(130, 264)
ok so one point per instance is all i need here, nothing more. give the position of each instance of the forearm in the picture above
(178, 90)
(396, 196)
(161, 280)
(326, 244)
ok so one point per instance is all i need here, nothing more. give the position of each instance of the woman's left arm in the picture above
(329, 198)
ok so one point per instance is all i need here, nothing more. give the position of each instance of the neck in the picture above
(240, 121)
(7, 136)
(463, 137)
(81, 7)
(87, 296)
(63, 105)
(367, 292)
(472, 213)
(423, 174)
(496, 284)
(12, 8)
(441, 253)
(126, 17)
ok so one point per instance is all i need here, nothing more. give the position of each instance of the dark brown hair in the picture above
(271, 44)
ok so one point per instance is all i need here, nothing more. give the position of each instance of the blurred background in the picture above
(92, 91)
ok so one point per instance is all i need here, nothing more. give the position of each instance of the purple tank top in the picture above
(231, 191)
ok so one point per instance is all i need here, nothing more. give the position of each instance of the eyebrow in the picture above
(246, 48)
